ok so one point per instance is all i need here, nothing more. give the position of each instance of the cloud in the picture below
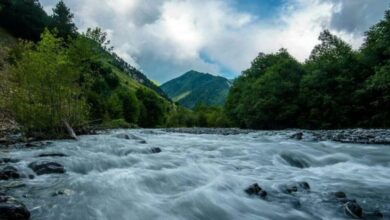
(165, 38)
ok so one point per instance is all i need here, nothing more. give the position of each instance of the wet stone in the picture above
(123, 136)
(295, 160)
(52, 155)
(9, 172)
(64, 192)
(353, 209)
(255, 189)
(11, 209)
(297, 136)
(156, 150)
(296, 187)
(340, 195)
(8, 160)
(34, 144)
(46, 167)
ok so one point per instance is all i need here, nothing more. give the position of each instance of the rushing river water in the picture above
(202, 176)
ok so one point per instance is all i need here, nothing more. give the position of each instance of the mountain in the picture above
(194, 87)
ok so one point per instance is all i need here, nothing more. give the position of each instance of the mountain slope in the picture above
(195, 87)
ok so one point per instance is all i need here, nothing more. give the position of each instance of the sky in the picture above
(166, 38)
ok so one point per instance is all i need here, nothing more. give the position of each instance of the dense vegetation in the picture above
(56, 74)
(336, 87)
(194, 87)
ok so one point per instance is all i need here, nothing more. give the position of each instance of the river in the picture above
(202, 176)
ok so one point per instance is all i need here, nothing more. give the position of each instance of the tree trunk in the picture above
(70, 130)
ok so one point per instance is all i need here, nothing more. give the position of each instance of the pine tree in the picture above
(62, 21)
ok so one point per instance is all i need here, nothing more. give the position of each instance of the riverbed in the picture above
(204, 175)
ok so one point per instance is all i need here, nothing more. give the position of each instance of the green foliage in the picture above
(62, 21)
(213, 116)
(99, 37)
(130, 106)
(180, 117)
(44, 88)
(118, 123)
(201, 116)
(376, 57)
(336, 87)
(23, 18)
(266, 95)
(193, 87)
(152, 109)
(330, 82)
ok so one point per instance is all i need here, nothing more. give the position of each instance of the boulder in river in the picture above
(156, 150)
(34, 144)
(9, 172)
(339, 195)
(63, 192)
(11, 209)
(8, 160)
(46, 167)
(52, 155)
(353, 209)
(296, 160)
(255, 189)
(297, 136)
(296, 187)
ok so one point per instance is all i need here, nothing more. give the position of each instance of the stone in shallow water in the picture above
(35, 144)
(131, 137)
(353, 209)
(9, 172)
(63, 192)
(8, 160)
(340, 195)
(11, 209)
(296, 187)
(156, 150)
(52, 155)
(297, 136)
(46, 167)
(255, 189)
(295, 160)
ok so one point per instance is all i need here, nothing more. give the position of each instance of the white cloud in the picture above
(165, 38)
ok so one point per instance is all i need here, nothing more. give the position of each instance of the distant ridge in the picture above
(195, 87)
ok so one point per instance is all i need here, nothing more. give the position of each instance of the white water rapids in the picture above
(202, 177)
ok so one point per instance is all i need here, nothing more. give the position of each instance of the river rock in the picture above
(296, 187)
(52, 155)
(63, 192)
(8, 160)
(123, 136)
(11, 209)
(9, 172)
(131, 137)
(297, 136)
(255, 189)
(156, 150)
(34, 144)
(295, 160)
(46, 167)
(339, 195)
(353, 209)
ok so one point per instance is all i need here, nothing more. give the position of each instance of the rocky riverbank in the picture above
(354, 136)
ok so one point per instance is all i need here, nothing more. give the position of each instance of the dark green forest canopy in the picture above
(337, 87)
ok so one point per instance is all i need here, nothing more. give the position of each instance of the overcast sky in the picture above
(165, 38)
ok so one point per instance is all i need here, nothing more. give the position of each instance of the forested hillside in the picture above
(337, 87)
(55, 73)
(194, 87)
